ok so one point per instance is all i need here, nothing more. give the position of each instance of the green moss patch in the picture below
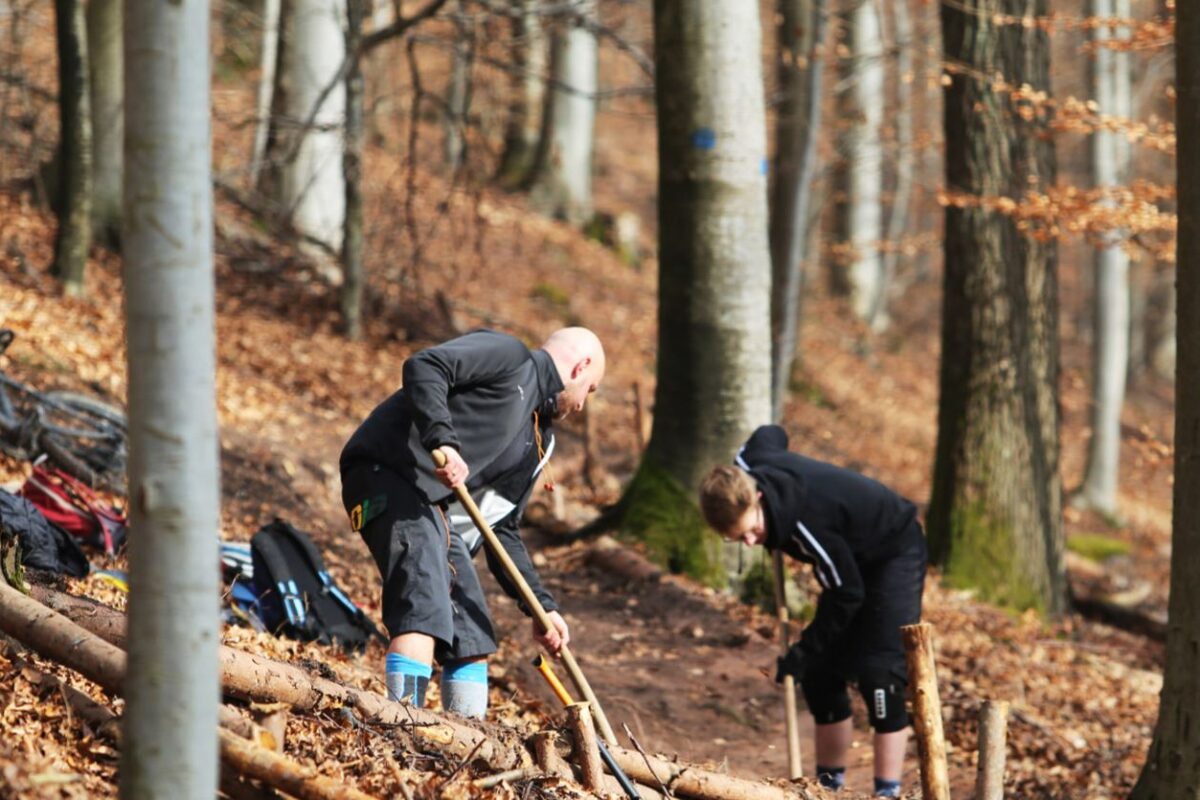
(982, 556)
(1095, 547)
(659, 512)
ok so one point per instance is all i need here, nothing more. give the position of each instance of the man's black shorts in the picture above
(430, 584)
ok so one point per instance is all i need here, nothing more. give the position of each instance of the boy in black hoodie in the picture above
(868, 553)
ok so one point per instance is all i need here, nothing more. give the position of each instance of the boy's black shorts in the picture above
(871, 652)
(430, 584)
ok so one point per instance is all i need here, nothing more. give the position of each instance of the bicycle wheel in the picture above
(100, 466)
(73, 414)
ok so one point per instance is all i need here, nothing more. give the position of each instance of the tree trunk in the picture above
(107, 116)
(714, 362)
(903, 158)
(995, 518)
(528, 92)
(269, 62)
(1172, 770)
(268, 181)
(74, 235)
(801, 72)
(563, 185)
(1113, 90)
(314, 183)
(172, 686)
(861, 211)
(353, 269)
(458, 95)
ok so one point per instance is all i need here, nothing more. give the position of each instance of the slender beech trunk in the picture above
(313, 183)
(268, 180)
(266, 86)
(172, 686)
(995, 519)
(859, 272)
(352, 241)
(527, 95)
(1112, 87)
(108, 116)
(714, 365)
(904, 159)
(74, 235)
(563, 184)
(458, 95)
(1172, 770)
(801, 72)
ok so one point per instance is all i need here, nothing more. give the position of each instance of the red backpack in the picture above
(71, 505)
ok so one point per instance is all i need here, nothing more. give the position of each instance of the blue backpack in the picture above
(297, 597)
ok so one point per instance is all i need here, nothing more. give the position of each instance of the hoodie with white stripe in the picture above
(840, 522)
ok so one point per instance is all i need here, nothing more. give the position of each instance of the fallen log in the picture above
(282, 773)
(59, 639)
(615, 558)
(258, 679)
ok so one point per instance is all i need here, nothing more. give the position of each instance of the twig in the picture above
(461, 764)
(492, 781)
(646, 759)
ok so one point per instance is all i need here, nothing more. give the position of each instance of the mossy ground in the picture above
(981, 555)
(1096, 547)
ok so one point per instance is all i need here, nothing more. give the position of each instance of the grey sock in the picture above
(464, 688)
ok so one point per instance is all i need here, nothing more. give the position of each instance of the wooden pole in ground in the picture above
(545, 755)
(789, 682)
(993, 724)
(587, 753)
(927, 710)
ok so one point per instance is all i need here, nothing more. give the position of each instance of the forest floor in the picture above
(686, 668)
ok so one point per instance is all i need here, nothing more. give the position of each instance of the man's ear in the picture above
(580, 366)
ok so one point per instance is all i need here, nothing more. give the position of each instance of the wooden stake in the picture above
(789, 682)
(587, 753)
(993, 724)
(545, 754)
(927, 710)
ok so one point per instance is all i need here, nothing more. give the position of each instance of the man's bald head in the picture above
(579, 357)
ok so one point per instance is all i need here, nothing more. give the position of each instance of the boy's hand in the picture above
(790, 664)
(455, 471)
(552, 640)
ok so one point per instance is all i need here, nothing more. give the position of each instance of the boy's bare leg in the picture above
(417, 646)
(833, 742)
(889, 754)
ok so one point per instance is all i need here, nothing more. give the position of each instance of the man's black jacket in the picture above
(832, 518)
(476, 393)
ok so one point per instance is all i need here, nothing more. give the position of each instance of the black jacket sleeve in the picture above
(480, 357)
(508, 532)
(843, 591)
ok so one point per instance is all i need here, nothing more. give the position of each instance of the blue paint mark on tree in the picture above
(704, 138)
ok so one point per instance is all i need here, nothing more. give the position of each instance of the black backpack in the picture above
(297, 597)
(43, 544)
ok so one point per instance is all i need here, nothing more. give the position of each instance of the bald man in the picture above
(489, 404)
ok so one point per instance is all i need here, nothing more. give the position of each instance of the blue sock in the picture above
(407, 679)
(831, 777)
(465, 688)
(886, 788)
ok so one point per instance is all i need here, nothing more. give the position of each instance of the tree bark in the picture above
(268, 180)
(527, 95)
(801, 74)
(269, 62)
(458, 94)
(904, 159)
(562, 187)
(174, 620)
(714, 363)
(353, 269)
(995, 518)
(73, 239)
(927, 710)
(106, 81)
(1172, 770)
(313, 183)
(989, 777)
(587, 752)
(1111, 158)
